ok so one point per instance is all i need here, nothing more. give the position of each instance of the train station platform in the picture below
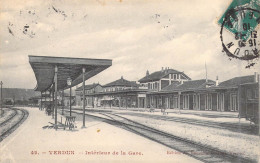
(202, 113)
(191, 114)
(98, 142)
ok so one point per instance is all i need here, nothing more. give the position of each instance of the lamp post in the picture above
(69, 84)
(1, 83)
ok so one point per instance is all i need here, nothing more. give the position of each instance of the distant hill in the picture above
(19, 93)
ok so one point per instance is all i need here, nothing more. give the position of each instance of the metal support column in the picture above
(62, 103)
(110, 102)
(84, 99)
(138, 102)
(125, 101)
(70, 100)
(45, 100)
(179, 101)
(41, 102)
(119, 101)
(93, 104)
(145, 102)
(53, 104)
(56, 100)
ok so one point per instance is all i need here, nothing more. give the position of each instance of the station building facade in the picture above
(119, 93)
(170, 89)
(201, 94)
(90, 101)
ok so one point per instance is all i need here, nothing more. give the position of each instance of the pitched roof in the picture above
(189, 85)
(160, 74)
(234, 82)
(172, 86)
(122, 82)
(88, 87)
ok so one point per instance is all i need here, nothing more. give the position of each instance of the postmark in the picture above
(239, 33)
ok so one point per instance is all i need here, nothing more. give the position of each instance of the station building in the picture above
(204, 94)
(161, 79)
(168, 89)
(91, 101)
(180, 95)
(120, 93)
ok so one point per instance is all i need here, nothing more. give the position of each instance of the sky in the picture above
(138, 35)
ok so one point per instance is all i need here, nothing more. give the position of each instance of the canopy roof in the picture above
(44, 70)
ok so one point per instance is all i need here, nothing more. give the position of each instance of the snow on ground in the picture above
(31, 143)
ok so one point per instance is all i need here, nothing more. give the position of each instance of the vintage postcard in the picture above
(129, 81)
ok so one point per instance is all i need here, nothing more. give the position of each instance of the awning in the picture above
(44, 70)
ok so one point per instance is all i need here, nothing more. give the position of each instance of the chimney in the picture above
(217, 81)
(147, 73)
(122, 77)
(162, 69)
(255, 77)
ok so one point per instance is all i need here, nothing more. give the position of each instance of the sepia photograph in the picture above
(129, 81)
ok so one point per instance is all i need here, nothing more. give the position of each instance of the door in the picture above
(209, 102)
(220, 102)
(233, 102)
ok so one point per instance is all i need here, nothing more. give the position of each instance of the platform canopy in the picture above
(44, 70)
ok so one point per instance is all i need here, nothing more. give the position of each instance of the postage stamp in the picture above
(238, 34)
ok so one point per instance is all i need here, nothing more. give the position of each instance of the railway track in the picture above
(13, 122)
(9, 117)
(220, 125)
(198, 151)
